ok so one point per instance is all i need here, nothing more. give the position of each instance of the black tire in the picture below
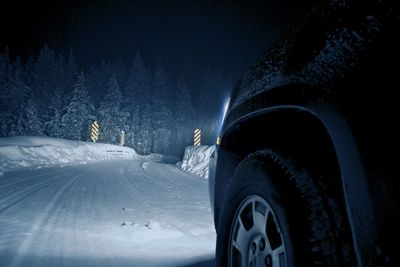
(300, 215)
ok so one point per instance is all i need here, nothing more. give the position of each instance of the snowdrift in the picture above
(38, 152)
(196, 160)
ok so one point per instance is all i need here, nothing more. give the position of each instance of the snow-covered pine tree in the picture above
(5, 68)
(111, 119)
(46, 79)
(78, 113)
(13, 96)
(70, 74)
(131, 102)
(184, 115)
(137, 87)
(99, 77)
(161, 111)
(26, 114)
(95, 82)
(71, 69)
(53, 126)
(28, 121)
(145, 134)
(29, 75)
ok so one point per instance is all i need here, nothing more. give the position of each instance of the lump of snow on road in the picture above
(151, 231)
(38, 152)
(161, 158)
(196, 160)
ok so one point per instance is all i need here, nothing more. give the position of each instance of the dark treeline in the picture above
(50, 95)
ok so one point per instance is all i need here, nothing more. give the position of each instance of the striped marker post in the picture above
(94, 133)
(122, 138)
(197, 137)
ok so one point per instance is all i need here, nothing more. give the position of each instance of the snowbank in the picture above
(196, 160)
(38, 152)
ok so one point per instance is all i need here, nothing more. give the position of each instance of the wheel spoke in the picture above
(241, 238)
(259, 214)
(278, 255)
(260, 222)
(239, 243)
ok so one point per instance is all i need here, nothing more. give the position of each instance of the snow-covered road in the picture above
(114, 213)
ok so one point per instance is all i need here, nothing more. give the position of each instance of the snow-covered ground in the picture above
(196, 160)
(38, 152)
(125, 212)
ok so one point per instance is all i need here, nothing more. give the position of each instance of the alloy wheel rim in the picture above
(255, 238)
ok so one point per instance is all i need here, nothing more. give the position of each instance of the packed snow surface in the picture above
(196, 160)
(38, 152)
(122, 212)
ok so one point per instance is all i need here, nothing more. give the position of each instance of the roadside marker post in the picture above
(122, 139)
(94, 133)
(197, 137)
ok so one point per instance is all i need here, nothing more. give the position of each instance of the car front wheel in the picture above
(274, 216)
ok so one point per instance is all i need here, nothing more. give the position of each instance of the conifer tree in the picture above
(78, 113)
(112, 120)
(161, 111)
(184, 115)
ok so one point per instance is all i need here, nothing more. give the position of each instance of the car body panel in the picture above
(334, 66)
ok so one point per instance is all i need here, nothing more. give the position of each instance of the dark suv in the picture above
(306, 172)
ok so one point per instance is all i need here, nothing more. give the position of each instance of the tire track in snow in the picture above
(15, 179)
(177, 182)
(62, 217)
(138, 183)
(182, 186)
(15, 197)
(39, 221)
(13, 226)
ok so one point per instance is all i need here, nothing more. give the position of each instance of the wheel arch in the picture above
(318, 137)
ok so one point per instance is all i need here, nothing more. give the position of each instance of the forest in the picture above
(49, 94)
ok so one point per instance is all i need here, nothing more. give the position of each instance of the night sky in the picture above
(187, 36)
